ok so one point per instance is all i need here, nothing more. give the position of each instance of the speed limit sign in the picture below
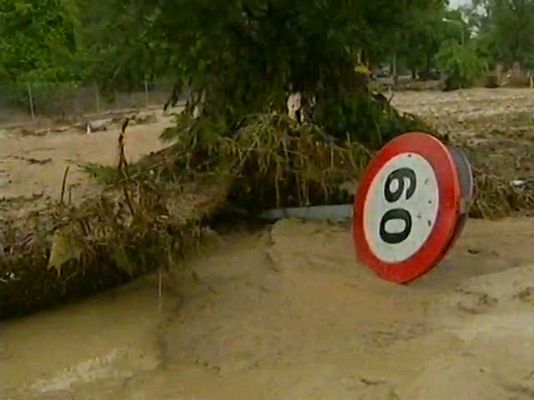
(411, 205)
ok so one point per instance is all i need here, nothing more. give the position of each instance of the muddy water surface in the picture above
(286, 313)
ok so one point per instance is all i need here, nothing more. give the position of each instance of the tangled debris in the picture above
(149, 212)
(496, 197)
(66, 251)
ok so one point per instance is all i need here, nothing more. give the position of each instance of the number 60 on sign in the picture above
(407, 210)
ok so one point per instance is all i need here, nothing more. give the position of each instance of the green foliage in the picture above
(359, 114)
(104, 175)
(513, 29)
(38, 40)
(427, 28)
(261, 47)
(206, 130)
(248, 54)
(418, 43)
(461, 64)
(506, 30)
(121, 48)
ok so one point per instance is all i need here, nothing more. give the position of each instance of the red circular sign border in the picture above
(441, 237)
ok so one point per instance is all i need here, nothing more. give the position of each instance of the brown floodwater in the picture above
(286, 313)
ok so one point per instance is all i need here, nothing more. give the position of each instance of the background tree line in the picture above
(123, 42)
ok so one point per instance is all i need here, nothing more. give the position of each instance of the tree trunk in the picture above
(394, 70)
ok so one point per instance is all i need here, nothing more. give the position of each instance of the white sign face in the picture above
(401, 207)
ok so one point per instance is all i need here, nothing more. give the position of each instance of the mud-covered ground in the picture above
(33, 164)
(497, 124)
(286, 312)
